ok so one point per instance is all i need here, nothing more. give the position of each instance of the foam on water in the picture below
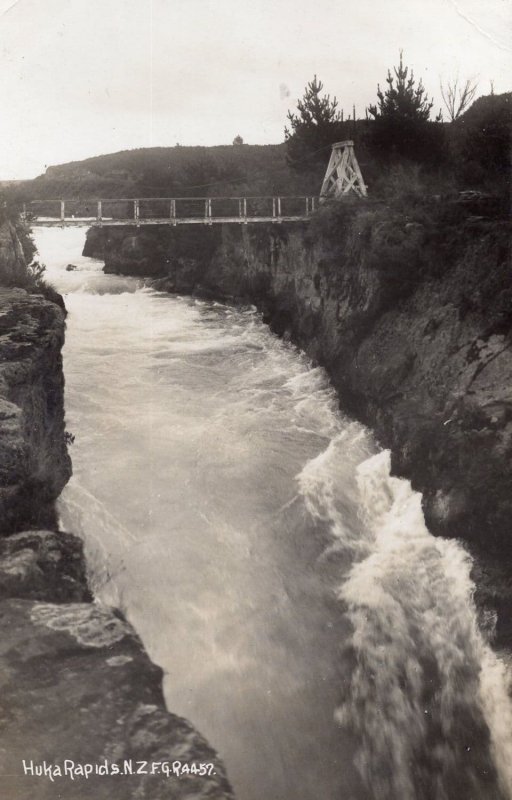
(426, 691)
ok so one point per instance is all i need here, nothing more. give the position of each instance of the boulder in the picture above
(78, 688)
(43, 565)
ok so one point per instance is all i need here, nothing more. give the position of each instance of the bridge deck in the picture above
(90, 222)
(145, 211)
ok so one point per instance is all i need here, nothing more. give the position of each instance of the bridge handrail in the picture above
(175, 210)
(168, 199)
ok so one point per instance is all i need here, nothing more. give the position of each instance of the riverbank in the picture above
(77, 682)
(408, 308)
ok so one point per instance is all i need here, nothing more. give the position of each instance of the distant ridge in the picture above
(171, 171)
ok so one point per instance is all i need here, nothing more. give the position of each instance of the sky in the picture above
(85, 77)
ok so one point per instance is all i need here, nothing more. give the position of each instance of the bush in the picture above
(407, 184)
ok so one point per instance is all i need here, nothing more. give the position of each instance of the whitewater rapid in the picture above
(307, 622)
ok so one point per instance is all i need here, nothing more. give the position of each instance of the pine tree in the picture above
(403, 100)
(316, 126)
(401, 126)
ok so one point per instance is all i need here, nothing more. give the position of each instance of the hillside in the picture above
(171, 172)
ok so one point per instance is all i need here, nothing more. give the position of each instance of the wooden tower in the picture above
(343, 173)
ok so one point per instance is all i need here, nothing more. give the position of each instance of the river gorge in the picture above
(325, 643)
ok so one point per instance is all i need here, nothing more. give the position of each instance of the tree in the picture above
(457, 98)
(316, 126)
(403, 100)
(401, 119)
(238, 140)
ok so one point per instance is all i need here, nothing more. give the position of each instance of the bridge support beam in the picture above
(343, 173)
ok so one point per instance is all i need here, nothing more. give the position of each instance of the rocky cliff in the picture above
(13, 266)
(77, 686)
(409, 307)
(34, 463)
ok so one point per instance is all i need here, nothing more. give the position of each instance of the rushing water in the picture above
(307, 622)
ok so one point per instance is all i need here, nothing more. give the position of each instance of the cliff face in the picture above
(410, 312)
(34, 463)
(77, 683)
(13, 268)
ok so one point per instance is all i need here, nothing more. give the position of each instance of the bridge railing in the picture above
(172, 209)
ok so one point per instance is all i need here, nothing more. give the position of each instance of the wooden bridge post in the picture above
(100, 213)
(208, 211)
(173, 211)
(245, 210)
(62, 210)
(136, 211)
(279, 209)
(273, 206)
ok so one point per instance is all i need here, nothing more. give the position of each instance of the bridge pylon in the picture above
(343, 173)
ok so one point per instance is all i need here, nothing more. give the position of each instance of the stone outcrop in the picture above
(410, 311)
(77, 684)
(43, 565)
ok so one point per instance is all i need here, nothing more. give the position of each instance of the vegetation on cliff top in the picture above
(471, 151)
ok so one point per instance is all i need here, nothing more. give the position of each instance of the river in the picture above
(307, 622)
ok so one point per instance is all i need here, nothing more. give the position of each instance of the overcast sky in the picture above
(84, 77)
